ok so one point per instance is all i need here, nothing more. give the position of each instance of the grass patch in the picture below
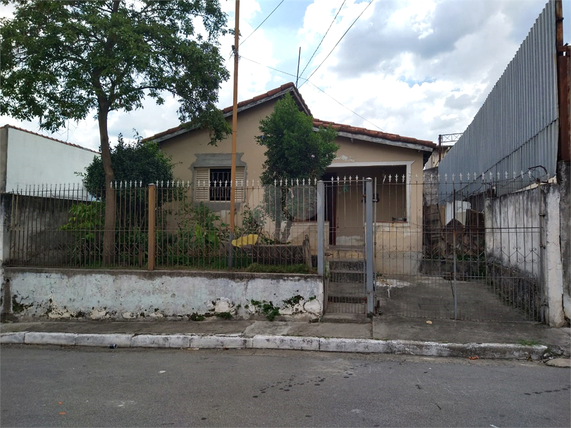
(224, 315)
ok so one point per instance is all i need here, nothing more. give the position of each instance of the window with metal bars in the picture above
(220, 184)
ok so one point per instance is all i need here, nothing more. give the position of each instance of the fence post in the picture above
(152, 200)
(320, 227)
(455, 284)
(369, 244)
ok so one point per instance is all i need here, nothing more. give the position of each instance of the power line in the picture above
(256, 29)
(316, 87)
(267, 66)
(339, 41)
(344, 106)
(323, 38)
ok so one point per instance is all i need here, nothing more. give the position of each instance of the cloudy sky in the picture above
(418, 68)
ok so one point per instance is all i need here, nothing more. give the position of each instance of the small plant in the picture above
(270, 311)
(196, 317)
(18, 307)
(224, 315)
(267, 308)
(292, 301)
(528, 342)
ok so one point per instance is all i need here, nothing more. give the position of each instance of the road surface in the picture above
(52, 386)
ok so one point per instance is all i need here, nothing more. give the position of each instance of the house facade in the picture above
(392, 161)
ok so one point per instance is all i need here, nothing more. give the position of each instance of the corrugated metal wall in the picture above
(517, 127)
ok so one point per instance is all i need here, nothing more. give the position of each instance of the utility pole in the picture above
(234, 120)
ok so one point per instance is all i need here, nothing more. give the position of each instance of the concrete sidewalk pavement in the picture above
(409, 336)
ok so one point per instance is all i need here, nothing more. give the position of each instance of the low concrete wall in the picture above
(95, 294)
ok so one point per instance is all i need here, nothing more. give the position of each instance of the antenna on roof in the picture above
(297, 74)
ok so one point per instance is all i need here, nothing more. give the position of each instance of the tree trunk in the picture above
(110, 200)
(287, 230)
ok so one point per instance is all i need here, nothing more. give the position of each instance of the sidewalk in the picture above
(407, 336)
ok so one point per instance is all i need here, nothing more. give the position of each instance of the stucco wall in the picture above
(32, 159)
(523, 233)
(133, 294)
(184, 148)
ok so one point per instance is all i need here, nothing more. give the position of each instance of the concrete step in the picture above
(345, 252)
(347, 265)
(347, 277)
(339, 317)
(339, 289)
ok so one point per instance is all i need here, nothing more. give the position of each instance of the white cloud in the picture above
(417, 68)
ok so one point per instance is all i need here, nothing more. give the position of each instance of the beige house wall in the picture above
(398, 212)
(401, 237)
(184, 148)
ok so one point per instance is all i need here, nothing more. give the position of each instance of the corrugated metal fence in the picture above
(517, 127)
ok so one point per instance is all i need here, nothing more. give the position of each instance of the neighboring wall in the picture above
(98, 294)
(28, 159)
(31, 231)
(523, 241)
(518, 126)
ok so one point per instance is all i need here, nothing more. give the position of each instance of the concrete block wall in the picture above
(120, 295)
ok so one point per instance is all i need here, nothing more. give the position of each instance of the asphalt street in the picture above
(58, 386)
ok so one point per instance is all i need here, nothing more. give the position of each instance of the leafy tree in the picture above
(64, 59)
(294, 150)
(141, 162)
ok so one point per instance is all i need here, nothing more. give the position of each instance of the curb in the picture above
(398, 347)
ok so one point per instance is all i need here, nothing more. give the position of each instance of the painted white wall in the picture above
(124, 295)
(523, 232)
(33, 159)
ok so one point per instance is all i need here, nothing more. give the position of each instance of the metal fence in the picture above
(425, 247)
(475, 256)
(517, 127)
(63, 226)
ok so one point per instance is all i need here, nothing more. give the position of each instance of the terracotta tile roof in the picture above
(290, 87)
(49, 138)
(242, 105)
(339, 127)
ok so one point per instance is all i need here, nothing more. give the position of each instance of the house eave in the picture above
(378, 140)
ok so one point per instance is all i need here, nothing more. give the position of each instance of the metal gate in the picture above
(402, 248)
(349, 236)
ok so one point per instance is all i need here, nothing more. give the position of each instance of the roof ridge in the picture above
(286, 87)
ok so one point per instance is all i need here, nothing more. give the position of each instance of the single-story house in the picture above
(394, 162)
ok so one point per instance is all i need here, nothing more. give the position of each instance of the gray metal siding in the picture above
(516, 128)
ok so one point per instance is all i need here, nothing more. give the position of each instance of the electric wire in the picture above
(339, 41)
(323, 38)
(316, 87)
(344, 106)
(256, 29)
(267, 66)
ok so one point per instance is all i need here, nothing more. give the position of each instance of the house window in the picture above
(214, 184)
(220, 184)
(212, 178)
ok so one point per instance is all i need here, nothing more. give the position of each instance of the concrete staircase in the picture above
(346, 300)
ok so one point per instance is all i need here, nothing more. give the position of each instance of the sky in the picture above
(417, 68)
